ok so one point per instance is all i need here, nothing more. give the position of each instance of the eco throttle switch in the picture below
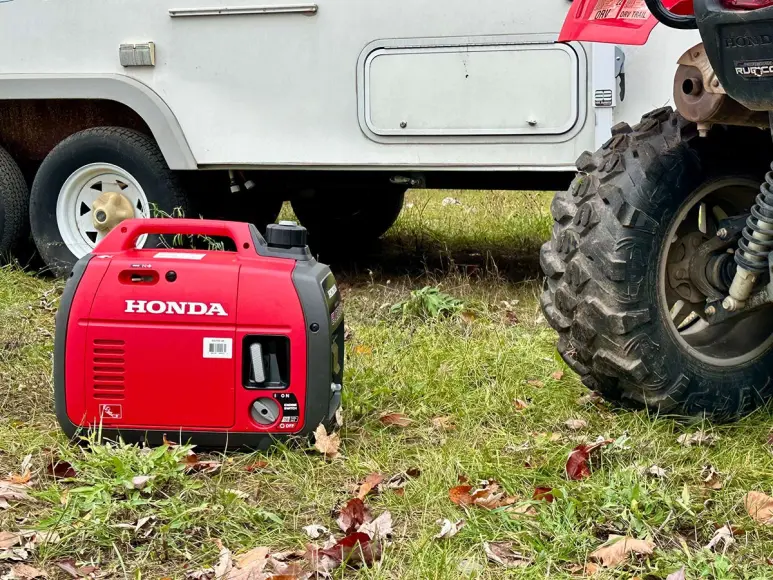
(224, 356)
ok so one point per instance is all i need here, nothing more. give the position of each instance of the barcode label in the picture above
(218, 348)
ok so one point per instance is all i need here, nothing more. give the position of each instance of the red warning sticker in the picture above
(620, 9)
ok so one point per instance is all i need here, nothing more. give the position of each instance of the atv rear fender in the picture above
(615, 21)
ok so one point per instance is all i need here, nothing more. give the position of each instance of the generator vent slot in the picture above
(108, 369)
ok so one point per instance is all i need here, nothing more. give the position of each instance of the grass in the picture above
(468, 365)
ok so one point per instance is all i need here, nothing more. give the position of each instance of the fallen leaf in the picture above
(618, 548)
(678, 575)
(543, 494)
(249, 566)
(697, 439)
(525, 509)
(370, 484)
(712, 479)
(353, 515)
(10, 539)
(520, 404)
(166, 442)
(339, 417)
(576, 424)
(395, 420)
(558, 375)
(20, 480)
(511, 318)
(378, 529)
(4, 505)
(326, 444)
(60, 469)
(536, 383)
(592, 397)
(461, 495)
(759, 506)
(502, 553)
(443, 424)
(258, 465)
(140, 481)
(591, 569)
(354, 549)
(448, 529)
(224, 561)
(363, 349)
(450, 201)
(315, 531)
(577, 464)
(70, 567)
(656, 471)
(399, 480)
(724, 536)
(194, 465)
(25, 572)
(467, 316)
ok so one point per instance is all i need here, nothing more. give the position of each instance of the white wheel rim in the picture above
(76, 198)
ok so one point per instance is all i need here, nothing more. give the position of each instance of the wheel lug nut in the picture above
(722, 234)
(711, 311)
(681, 274)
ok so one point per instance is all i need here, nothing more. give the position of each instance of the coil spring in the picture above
(755, 260)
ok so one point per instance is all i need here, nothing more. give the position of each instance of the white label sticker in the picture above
(179, 256)
(218, 348)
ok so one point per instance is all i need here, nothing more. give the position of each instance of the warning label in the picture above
(620, 9)
(634, 10)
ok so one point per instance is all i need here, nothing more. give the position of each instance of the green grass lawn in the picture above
(457, 379)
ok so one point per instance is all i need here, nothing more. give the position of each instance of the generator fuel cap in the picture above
(286, 234)
(265, 411)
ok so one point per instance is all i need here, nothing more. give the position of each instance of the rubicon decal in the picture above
(184, 308)
(756, 69)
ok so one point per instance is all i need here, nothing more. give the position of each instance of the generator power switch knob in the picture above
(286, 234)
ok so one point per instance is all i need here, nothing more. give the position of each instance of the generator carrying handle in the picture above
(124, 236)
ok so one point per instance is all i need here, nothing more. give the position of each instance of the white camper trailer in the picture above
(117, 108)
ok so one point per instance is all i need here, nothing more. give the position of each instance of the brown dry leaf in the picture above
(543, 494)
(378, 529)
(399, 480)
(140, 481)
(525, 509)
(712, 479)
(395, 420)
(759, 506)
(363, 349)
(443, 424)
(502, 553)
(194, 465)
(60, 469)
(249, 566)
(577, 464)
(576, 424)
(592, 397)
(370, 485)
(353, 515)
(697, 439)
(69, 566)
(224, 561)
(467, 316)
(25, 572)
(23, 479)
(536, 383)
(617, 549)
(448, 529)
(724, 536)
(678, 575)
(656, 471)
(520, 404)
(354, 549)
(258, 465)
(460, 495)
(326, 444)
(558, 375)
(590, 569)
(10, 539)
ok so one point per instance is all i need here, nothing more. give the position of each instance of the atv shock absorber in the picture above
(754, 248)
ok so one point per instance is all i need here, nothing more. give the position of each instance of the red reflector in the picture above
(746, 4)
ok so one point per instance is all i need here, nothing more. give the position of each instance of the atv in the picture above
(658, 271)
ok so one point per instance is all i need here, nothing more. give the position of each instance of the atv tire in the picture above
(602, 268)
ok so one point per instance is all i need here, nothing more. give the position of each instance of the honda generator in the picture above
(218, 348)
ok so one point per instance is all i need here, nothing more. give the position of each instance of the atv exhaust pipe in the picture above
(699, 96)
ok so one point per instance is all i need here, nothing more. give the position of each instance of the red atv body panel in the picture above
(615, 21)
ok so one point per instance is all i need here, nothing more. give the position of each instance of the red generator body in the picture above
(216, 348)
